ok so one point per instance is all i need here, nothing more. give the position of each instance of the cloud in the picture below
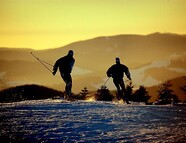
(139, 74)
(2, 74)
(179, 70)
(80, 71)
(178, 56)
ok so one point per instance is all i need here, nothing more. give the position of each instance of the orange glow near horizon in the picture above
(44, 24)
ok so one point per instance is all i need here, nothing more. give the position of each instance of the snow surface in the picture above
(51, 121)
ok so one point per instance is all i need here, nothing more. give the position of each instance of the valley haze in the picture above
(152, 59)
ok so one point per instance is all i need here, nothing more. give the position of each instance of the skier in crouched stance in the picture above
(117, 71)
(65, 65)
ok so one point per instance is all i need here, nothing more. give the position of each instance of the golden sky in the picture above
(43, 24)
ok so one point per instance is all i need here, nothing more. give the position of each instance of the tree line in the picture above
(165, 94)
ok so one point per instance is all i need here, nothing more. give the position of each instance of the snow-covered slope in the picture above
(80, 121)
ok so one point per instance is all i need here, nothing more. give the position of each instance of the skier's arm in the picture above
(128, 74)
(56, 65)
(109, 73)
(71, 65)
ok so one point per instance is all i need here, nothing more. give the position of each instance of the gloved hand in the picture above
(109, 75)
(130, 83)
(54, 72)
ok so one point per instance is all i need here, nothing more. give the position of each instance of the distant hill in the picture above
(28, 92)
(151, 58)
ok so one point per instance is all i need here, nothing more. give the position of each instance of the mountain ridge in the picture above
(110, 36)
(147, 56)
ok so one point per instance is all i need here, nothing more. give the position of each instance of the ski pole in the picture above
(127, 80)
(106, 81)
(130, 83)
(46, 63)
(42, 62)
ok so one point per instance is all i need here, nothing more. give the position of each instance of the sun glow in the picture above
(90, 98)
(42, 24)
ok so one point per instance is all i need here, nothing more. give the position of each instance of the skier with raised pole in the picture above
(65, 65)
(117, 71)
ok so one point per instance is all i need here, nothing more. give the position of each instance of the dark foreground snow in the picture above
(52, 121)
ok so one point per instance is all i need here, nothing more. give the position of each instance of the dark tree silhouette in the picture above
(183, 88)
(83, 93)
(165, 94)
(103, 94)
(129, 91)
(141, 95)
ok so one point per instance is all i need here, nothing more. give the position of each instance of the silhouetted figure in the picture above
(117, 71)
(65, 65)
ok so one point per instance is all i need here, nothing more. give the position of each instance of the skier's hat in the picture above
(70, 52)
(117, 60)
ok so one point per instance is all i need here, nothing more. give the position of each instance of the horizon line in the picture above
(153, 33)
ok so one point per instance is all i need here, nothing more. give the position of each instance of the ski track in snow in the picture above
(51, 121)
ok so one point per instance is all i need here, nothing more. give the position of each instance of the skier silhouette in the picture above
(117, 71)
(65, 65)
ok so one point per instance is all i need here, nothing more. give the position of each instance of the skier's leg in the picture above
(68, 80)
(116, 83)
(68, 87)
(125, 96)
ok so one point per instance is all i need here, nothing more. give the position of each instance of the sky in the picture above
(45, 24)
